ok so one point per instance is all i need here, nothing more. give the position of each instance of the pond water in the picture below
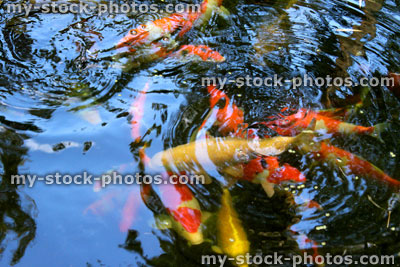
(67, 109)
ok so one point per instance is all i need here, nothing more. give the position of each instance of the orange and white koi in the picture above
(229, 117)
(176, 24)
(348, 161)
(137, 111)
(201, 51)
(304, 118)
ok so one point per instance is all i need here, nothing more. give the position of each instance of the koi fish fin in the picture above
(306, 141)
(163, 222)
(378, 129)
(268, 188)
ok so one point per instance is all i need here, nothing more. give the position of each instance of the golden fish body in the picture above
(217, 153)
(232, 238)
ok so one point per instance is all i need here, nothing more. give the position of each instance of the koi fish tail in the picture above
(378, 129)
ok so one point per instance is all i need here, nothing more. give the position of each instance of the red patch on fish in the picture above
(173, 196)
(189, 218)
(230, 116)
(276, 174)
(286, 173)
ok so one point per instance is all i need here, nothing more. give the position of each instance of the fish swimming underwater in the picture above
(304, 119)
(184, 214)
(204, 154)
(229, 118)
(137, 111)
(347, 161)
(202, 52)
(171, 27)
(232, 239)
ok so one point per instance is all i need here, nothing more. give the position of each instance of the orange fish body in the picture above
(201, 51)
(175, 24)
(355, 164)
(294, 124)
(230, 117)
(137, 111)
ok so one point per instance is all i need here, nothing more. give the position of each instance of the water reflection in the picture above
(17, 210)
(55, 87)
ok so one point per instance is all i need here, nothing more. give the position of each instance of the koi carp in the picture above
(265, 170)
(137, 111)
(232, 239)
(176, 24)
(196, 156)
(184, 213)
(202, 52)
(348, 161)
(304, 118)
(229, 117)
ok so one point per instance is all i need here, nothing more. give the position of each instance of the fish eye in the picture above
(165, 39)
(133, 32)
(143, 26)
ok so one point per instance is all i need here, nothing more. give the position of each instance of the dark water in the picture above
(60, 113)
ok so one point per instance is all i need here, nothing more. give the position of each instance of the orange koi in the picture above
(202, 51)
(294, 124)
(176, 24)
(137, 111)
(354, 163)
(229, 117)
